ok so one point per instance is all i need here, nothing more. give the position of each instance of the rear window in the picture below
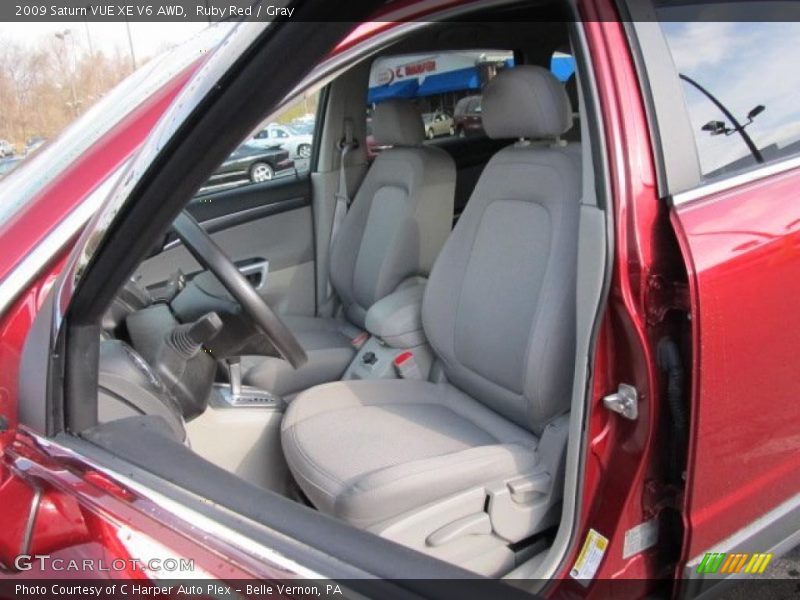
(444, 83)
(448, 84)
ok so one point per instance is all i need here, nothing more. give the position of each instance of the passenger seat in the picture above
(399, 220)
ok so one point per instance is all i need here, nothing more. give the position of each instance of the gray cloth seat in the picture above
(328, 344)
(499, 312)
(366, 476)
(399, 219)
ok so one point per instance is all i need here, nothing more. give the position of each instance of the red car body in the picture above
(738, 246)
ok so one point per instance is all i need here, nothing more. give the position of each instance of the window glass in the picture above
(740, 83)
(24, 179)
(562, 65)
(279, 147)
(445, 86)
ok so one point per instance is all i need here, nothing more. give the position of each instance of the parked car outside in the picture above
(6, 149)
(253, 163)
(304, 124)
(7, 164)
(467, 117)
(438, 123)
(295, 141)
(303, 127)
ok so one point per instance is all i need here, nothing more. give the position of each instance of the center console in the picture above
(240, 429)
(397, 347)
(241, 434)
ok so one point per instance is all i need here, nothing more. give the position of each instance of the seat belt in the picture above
(346, 144)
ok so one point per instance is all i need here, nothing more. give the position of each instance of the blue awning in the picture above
(451, 81)
(562, 67)
(401, 89)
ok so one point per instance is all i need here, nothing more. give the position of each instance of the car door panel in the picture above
(278, 195)
(254, 224)
(732, 178)
(743, 247)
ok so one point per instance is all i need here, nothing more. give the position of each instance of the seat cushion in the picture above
(327, 343)
(366, 451)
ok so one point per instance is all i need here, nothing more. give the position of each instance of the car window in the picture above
(444, 84)
(440, 84)
(740, 83)
(43, 166)
(280, 147)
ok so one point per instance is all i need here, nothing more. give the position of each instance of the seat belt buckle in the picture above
(359, 340)
(406, 367)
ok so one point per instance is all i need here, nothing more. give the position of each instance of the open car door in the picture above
(733, 185)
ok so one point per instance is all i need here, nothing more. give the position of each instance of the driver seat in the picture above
(464, 468)
(397, 224)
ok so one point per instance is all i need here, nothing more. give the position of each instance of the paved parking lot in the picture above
(786, 567)
(784, 574)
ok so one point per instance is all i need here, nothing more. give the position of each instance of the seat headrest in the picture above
(525, 102)
(397, 122)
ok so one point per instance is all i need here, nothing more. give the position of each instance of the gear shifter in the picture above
(237, 394)
(235, 376)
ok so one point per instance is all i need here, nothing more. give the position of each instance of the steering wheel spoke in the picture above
(211, 256)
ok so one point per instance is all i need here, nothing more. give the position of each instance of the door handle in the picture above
(256, 273)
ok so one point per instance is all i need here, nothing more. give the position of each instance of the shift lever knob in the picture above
(235, 375)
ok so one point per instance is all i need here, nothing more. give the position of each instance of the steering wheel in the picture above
(211, 256)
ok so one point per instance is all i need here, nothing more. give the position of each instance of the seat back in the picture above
(499, 308)
(400, 217)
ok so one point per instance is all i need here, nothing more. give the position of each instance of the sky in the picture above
(744, 65)
(148, 38)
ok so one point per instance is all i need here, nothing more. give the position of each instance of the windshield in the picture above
(44, 164)
(7, 164)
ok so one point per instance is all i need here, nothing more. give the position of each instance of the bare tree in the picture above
(44, 87)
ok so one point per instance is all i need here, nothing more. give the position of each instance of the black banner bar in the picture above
(269, 10)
